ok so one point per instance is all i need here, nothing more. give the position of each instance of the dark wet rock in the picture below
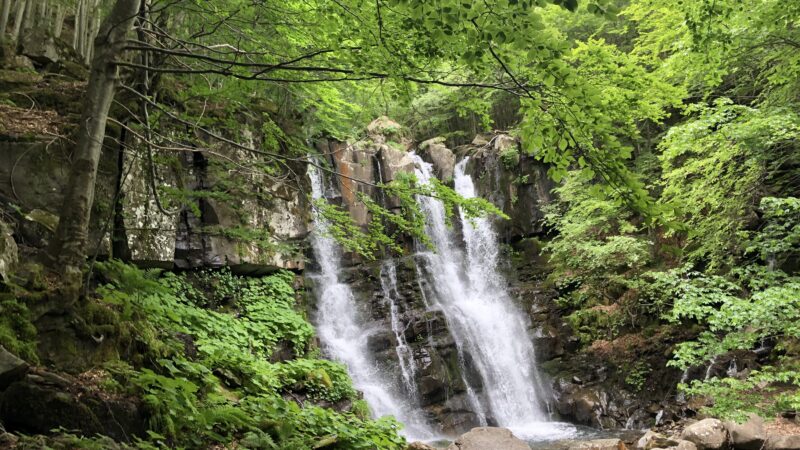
(44, 401)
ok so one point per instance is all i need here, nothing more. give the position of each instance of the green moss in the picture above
(17, 333)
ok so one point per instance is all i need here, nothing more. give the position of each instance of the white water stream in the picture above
(483, 319)
(490, 332)
(341, 330)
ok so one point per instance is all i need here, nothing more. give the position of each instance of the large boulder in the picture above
(749, 435)
(394, 161)
(707, 434)
(785, 442)
(489, 438)
(41, 47)
(599, 444)
(11, 368)
(442, 158)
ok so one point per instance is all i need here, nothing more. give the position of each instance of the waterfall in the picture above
(341, 329)
(408, 367)
(488, 328)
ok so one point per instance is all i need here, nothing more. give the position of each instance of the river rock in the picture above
(489, 438)
(749, 435)
(652, 440)
(707, 434)
(11, 368)
(417, 445)
(599, 444)
(788, 442)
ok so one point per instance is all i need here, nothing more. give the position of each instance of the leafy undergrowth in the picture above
(205, 374)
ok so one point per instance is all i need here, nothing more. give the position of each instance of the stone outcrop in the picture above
(43, 401)
(443, 160)
(707, 434)
(513, 181)
(486, 438)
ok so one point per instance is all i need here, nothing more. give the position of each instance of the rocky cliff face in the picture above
(255, 225)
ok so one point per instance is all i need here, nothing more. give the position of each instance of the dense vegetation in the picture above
(202, 352)
(672, 130)
(716, 145)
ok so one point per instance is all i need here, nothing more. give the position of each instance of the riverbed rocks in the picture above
(489, 438)
(749, 435)
(599, 444)
(707, 434)
(783, 442)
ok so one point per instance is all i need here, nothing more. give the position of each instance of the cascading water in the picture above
(344, 335)
(484, 322)
(408, 367)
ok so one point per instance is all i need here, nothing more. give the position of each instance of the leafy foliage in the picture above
(212, 376)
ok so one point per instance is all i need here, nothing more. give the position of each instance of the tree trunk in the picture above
(58, 25)
(68, 250)
(18, 17)
(4, 18)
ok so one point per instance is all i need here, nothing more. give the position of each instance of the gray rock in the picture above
(419, 446)
(382, 128)
(41, 47)
(443, 159)
(599, 444)
(680, 445)
(788, 442)
(8, 251)
(749, 435)
(489, 438)
(394, 161)
(12, 368)
(651, 440)
(707, 434)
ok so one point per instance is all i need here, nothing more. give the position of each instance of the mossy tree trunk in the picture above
(69, 247)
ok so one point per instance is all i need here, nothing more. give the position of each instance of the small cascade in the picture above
(733, 370)
(710, 368)
(344, 334)
(681, 396)
(408, 367)
(481, 316)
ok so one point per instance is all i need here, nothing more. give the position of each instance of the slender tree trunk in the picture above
(19, 15)
(4, 18)
(30, 13)
(76, 26)
(68, 250)
(58, 25)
